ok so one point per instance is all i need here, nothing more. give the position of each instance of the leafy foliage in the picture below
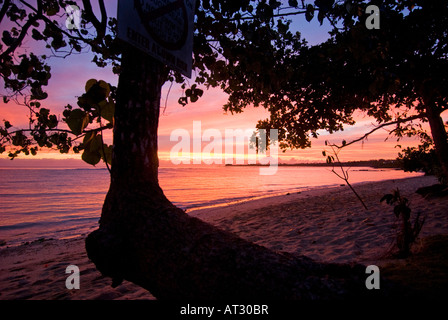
(25, 76)
(396, 75)
(233, 41)
(422, 158)
(193, 94)
(247, 49)
(95, 105)
(408, 232)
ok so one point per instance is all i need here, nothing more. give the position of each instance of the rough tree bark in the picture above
(439, 137)
(145, 239)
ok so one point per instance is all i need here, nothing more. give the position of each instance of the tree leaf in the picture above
(107, 110)
(105, 86)
(77, 121)
(92, 148)
(89, 84)
(309, 14)
(88, 138)
(19, 139)
(388, 198)
(7, 38)
(199, 92)
(321, 16)
(36, 35)
(293, 3)
(91, 157)
(52, 11)
(194, 98)
(106, 153)
(183, 101)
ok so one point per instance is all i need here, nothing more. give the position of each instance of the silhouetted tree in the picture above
(142, 237)
(396, 74)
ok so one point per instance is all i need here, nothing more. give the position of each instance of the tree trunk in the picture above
(145, 239)
(439, 137)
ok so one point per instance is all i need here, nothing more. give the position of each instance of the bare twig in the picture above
(344, 176)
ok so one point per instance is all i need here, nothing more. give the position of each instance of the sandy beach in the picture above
(328, 225)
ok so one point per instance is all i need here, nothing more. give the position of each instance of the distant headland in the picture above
(381, 163)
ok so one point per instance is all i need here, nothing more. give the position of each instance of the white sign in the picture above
(161, 28)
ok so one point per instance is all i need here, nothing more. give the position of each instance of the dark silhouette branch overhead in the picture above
(383, 125)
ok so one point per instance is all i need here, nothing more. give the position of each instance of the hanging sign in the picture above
(161, 28)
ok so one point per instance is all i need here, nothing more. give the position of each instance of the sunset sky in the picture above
(70, 74)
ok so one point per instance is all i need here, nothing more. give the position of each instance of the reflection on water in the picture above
(61, 203)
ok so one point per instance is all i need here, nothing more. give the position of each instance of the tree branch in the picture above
(345, 175)
(4, 9)
(38, 16)
(64, 131)
(18, 41)
(103, 15)
(100, 26)
(253, 17)
(90, 15)
(419, 116)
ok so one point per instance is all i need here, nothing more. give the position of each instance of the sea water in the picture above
(38, 203)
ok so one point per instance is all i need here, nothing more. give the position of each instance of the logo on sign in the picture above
(157, 20)
(161, 28)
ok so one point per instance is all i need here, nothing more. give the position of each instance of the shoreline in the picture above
(318, 222)
(208, 211)
(29, 227)
(291, 196)
(325, 224)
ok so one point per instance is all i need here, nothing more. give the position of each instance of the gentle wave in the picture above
(60, 203)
